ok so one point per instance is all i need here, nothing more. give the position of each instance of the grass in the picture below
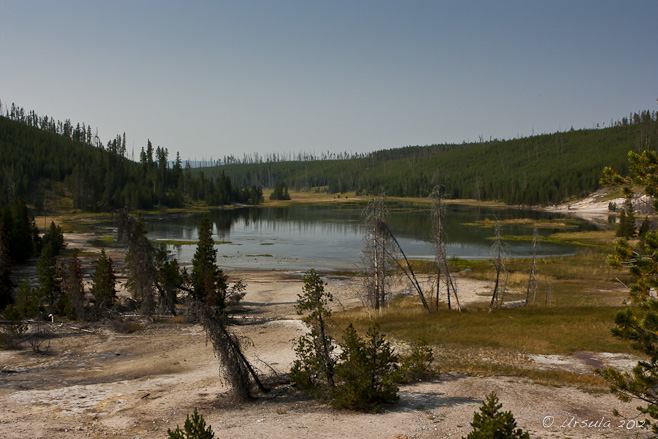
(586, 294)
(181, 242)
(527, 222)
(483, 344)
(534, 330)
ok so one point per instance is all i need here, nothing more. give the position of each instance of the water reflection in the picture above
(303, 236)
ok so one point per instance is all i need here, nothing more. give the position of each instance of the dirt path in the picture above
(98, 383)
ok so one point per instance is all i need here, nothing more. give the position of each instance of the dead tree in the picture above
(549, 292)
(235, 369)
(406, 269)
(499, 266)
(532, 278)
(377, 244)
(441, 259)
(381, 251)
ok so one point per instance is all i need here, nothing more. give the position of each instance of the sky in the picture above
(216, 78)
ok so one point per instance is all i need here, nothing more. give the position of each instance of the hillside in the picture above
(41, 160)
(543, 169)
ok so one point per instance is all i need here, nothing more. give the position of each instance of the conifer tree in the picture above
(104, 282)
(142, 273)
(208, 281)
(490, 423)
(364, 377)
(6, 297)
(55, 237)
(638, 325)
(313, 370)
(49, 284)
(74, 289)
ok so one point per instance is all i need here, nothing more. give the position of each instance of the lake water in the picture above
(300, 237)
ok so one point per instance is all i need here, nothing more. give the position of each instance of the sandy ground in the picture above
(95, 382)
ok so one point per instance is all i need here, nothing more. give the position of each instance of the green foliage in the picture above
(280, 192)
(208, 281)
(170, 279)
(73, 288)
(638, 325)
(21, 233)
(417, 366)
(48, 279)
(11, 333)
(361, 378)
(194, 428)
(27, 300)
(140, 262)
(626, 227)
(55, 238)
(39, 151)
(490, 423)
(6, 297)
(313, 370)
(540, 169)
(103, 283)
(364, 372)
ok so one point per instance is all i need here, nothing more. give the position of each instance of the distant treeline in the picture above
(40, 156)
(541, 169)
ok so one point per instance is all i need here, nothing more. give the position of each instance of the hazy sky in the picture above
(212, 78)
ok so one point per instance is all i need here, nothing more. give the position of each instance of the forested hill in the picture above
(541, 169)
(41, 159)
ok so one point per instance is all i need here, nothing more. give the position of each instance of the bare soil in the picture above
(98, 382)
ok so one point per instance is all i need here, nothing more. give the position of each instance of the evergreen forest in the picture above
(42, 159)
(537, 170)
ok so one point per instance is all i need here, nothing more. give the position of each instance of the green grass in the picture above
(180, 242)
(536, 329)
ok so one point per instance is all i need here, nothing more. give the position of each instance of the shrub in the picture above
(194, 428)
(364, 374)
(417, 366)
(12, 333)
(492, 424)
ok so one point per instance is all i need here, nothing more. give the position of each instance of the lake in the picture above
(329, 237)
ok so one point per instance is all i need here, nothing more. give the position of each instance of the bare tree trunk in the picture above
(441, 258)
(500, 267)
(376, 243)
(235, 369)
(410, 273)
(377, 291)
(532, 280)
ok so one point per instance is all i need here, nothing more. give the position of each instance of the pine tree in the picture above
(194, 428)
(104, 282)
(49, 284)
(55, 238)
(142, 273)
(490, 423)
(170, 279)
(6, 297)
(313, 370)
(74, 289)
(638, 325)
(208, 281)
(364, 373)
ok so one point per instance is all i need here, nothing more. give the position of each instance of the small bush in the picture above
(492, 424)
(40, 340)
(194, 428)
(364, 373)
(11, 334)
(417, 366)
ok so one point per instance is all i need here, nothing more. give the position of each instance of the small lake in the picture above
(328, 237)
